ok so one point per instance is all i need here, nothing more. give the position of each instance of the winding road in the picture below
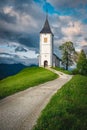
(21, 110)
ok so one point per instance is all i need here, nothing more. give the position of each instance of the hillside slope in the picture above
(28, 77)
(67, 109)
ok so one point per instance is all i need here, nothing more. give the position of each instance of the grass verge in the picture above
(63, 70)
(28, 77)
(67, 109)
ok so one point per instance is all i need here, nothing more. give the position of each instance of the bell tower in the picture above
(46, 46)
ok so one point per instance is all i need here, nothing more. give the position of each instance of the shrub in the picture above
(75, 71)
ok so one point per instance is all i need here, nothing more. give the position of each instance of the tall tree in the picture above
(82, 63)
(68, 51)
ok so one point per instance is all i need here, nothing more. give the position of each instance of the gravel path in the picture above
(21, 110)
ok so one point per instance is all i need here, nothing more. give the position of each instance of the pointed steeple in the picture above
(46, 27)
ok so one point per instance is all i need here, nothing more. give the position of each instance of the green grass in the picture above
(28, 77)
(63, 70)
(67, 109)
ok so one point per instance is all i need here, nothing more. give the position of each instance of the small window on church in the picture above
(45, 40)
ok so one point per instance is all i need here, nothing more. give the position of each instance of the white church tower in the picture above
(46, 46)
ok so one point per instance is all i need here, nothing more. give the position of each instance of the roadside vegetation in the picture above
(81, 67)
(67, 109)
(63, 70)
(82, 63)
(28, 77)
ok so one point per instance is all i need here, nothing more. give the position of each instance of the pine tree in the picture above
(82, 63)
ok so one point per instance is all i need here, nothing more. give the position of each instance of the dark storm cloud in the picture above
(15, 60)
(23, 5)
(4, 3)
(7, 18)
(29, 40)
(14, 2)
(27, 6)
(86, 39)
(19, 22)
(57, 33)
(12, 36)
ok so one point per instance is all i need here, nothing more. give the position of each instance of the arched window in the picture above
(45, 40)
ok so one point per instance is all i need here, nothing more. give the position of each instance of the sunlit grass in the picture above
(67, 109)
(63, 70)
(28, 77)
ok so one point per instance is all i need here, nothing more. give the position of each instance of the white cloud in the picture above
(9, 50)
(8, 10)
(66, 28)
(73, 29)
(83, 43)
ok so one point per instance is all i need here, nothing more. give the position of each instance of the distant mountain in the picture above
(10, 69)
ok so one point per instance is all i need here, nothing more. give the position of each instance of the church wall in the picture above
(56, 61)
(46, 49)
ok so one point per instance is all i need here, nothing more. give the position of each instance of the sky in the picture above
(22, 20)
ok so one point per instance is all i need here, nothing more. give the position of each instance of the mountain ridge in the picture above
(11, 69)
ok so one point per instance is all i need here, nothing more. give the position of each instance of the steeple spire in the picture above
(46, 27)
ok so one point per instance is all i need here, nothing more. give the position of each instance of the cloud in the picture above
(14, 48)
(17, 60)
(84, 42)
(67, 28)
(68, 3)
(22, 20)
(17, 53)
(19, 21)
(73, 29)
(74, 8)
(5, 16)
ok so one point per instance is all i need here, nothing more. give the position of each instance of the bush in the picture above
(75, 71)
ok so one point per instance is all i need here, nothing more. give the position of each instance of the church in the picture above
(47, 58)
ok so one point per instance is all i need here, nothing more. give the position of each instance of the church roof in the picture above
(46, 27)
(56, 56)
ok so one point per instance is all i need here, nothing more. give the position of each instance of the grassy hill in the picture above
(28, 77)
(67, 109)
